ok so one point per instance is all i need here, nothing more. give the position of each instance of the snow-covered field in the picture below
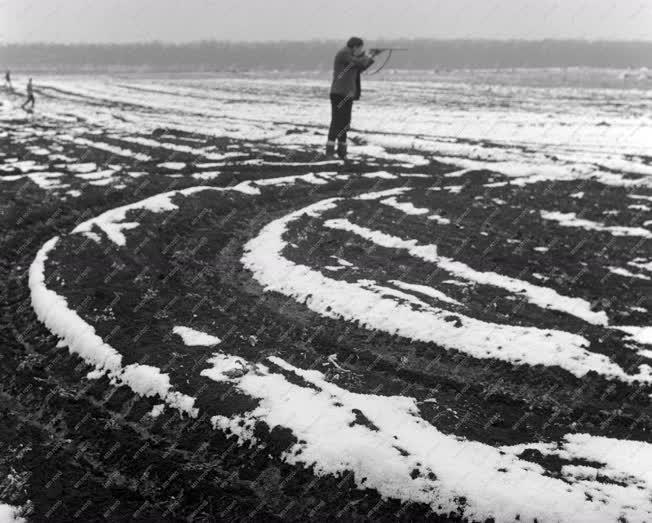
(458, 324)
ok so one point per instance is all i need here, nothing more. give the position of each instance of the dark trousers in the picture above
(341, 107)
(30, 100)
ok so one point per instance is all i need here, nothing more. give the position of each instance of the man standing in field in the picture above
(8, 81)
(30, 98)
(350, 61)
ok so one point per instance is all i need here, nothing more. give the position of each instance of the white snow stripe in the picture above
(424, 289)
(113, 149)
(111, 222)
(339, 299)
(81, 339)
(385, 452)
(541, 296)
(571, 220)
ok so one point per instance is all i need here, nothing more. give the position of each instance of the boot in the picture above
(330, 148)
(341, 150)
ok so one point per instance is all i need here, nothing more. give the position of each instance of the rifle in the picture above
(378, 50)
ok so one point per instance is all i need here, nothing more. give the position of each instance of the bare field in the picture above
(204, 321)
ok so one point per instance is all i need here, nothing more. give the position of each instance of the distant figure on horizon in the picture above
(8, 80)
(30, 97)
(349, 62)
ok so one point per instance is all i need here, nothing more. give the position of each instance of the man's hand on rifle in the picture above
(374, 52)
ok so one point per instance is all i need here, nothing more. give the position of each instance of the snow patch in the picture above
(192, 337)
(406, 207)
(10, 514)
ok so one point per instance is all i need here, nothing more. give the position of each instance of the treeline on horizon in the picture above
(317, 55)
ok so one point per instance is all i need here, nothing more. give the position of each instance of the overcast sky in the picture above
(256, 20)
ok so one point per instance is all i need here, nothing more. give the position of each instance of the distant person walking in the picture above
(349, 62)
(30, 98)
(8, 80)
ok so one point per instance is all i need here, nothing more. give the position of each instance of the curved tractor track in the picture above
(234, 332)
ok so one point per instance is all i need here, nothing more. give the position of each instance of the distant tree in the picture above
(317, 55)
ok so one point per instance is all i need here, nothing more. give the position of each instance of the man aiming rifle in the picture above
(349, 62)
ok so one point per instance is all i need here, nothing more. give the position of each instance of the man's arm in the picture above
(367, 64)
(361, 62)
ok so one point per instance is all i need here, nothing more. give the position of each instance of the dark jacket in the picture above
(346, 73)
